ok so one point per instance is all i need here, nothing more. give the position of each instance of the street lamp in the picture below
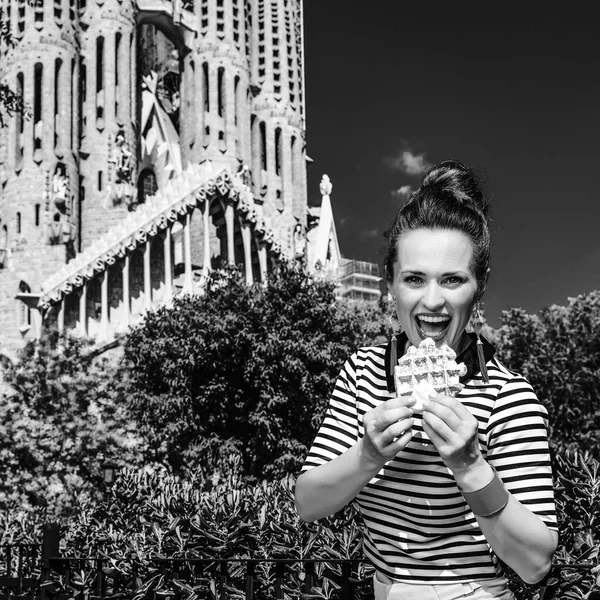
(109, 472)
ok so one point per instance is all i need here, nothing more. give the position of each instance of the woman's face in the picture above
(433, 285)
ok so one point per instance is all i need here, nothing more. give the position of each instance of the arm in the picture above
(323, 490)
(517, 535)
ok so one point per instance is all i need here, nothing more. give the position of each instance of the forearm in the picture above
(517, 536)
(325, 489)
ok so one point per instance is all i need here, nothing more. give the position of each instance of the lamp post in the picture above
(109, 472)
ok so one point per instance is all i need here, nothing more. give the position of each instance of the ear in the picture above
(390, 292)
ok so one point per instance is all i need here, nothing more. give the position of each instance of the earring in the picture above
(396, 329)
(478, 321)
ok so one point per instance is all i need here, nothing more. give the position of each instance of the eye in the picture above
(412, 280)
(454, 280)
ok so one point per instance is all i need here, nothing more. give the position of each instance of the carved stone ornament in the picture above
(325, 187)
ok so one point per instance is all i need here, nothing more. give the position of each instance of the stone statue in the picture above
(123, 190)
(299, 243)
(325, 187)
(60, 184)
(245, 174)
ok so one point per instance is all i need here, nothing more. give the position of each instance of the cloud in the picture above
(408, 162)
(369, 234)
(403, 192)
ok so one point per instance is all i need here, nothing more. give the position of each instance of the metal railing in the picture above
(25, 573)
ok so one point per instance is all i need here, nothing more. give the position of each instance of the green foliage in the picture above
(558, 351)
(64, 410)
(153, 516)
(240, 370)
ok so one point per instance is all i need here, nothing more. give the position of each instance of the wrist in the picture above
(474, 476)
(366, 461)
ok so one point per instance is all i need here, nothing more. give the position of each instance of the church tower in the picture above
(161, 139)
(39, 171)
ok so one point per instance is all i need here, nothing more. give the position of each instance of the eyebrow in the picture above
(421, 273)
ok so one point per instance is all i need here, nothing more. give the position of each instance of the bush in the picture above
(558, 351)
(150, 516)
(147, 517)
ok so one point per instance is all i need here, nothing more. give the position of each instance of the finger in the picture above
(444, 412)
(441, 429)
(397, 402)
(461, 411)
(395, 431)
(437, 440)
(387, 418)
(401, 442)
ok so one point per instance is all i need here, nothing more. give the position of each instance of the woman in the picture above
(444, 493)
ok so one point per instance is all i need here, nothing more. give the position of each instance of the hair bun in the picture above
(454, 178)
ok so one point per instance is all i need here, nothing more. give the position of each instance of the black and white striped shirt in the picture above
(419, 528)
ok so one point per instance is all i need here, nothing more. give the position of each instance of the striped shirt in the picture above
(418, 527)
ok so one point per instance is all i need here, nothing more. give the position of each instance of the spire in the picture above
(327, 251)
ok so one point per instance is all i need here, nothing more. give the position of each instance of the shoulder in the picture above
(515, 392)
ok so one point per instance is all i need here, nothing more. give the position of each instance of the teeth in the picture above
(439, 319)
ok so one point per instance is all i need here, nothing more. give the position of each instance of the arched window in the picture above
(147, 185)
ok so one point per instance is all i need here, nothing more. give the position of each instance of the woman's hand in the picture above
(388, 428)
(453, 430)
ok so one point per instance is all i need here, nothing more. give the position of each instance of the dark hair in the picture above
(450, 197)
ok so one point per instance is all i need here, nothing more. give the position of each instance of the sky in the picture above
(511, 90)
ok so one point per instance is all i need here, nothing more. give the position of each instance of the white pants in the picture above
(485, 589)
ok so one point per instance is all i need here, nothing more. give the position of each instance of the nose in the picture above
(433, 297)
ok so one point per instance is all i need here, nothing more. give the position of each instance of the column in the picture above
(126, 300)
(246, 238)
(229, 215)
(262, 261)
(168, 263)
(104, 306)
(147, 277)
(213, 94)
(187, 247)
(256, 160)
(287, 186)
(83, 310)
(206, 239)
(61, 315)
(230, 101)
(109, 77)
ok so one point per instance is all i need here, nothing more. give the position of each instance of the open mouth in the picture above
(433, 326)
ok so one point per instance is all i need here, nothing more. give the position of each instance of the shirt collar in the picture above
(467, 354)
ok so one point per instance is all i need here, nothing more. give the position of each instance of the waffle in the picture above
(428, 369)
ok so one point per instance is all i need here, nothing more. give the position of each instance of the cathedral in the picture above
(160, 139)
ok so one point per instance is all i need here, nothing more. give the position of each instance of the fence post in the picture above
(279, 570)
(346, 570)
(249, 580)
(309, 576)
(51, 540)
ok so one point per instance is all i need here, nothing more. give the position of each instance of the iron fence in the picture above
(25, 573)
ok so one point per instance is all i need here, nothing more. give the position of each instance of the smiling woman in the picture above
(447, 491)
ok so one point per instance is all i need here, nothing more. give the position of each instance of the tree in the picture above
(558, 351)
(64, 411)
(241, 369)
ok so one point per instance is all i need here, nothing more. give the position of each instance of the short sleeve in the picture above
(517, 447)
(339, 430)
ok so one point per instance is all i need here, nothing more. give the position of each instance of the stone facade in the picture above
(164, 136)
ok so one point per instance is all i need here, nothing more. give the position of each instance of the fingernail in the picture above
(425, 403)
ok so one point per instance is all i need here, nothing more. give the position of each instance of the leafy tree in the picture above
(240, 369)
(63, 412)
(558, 351)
